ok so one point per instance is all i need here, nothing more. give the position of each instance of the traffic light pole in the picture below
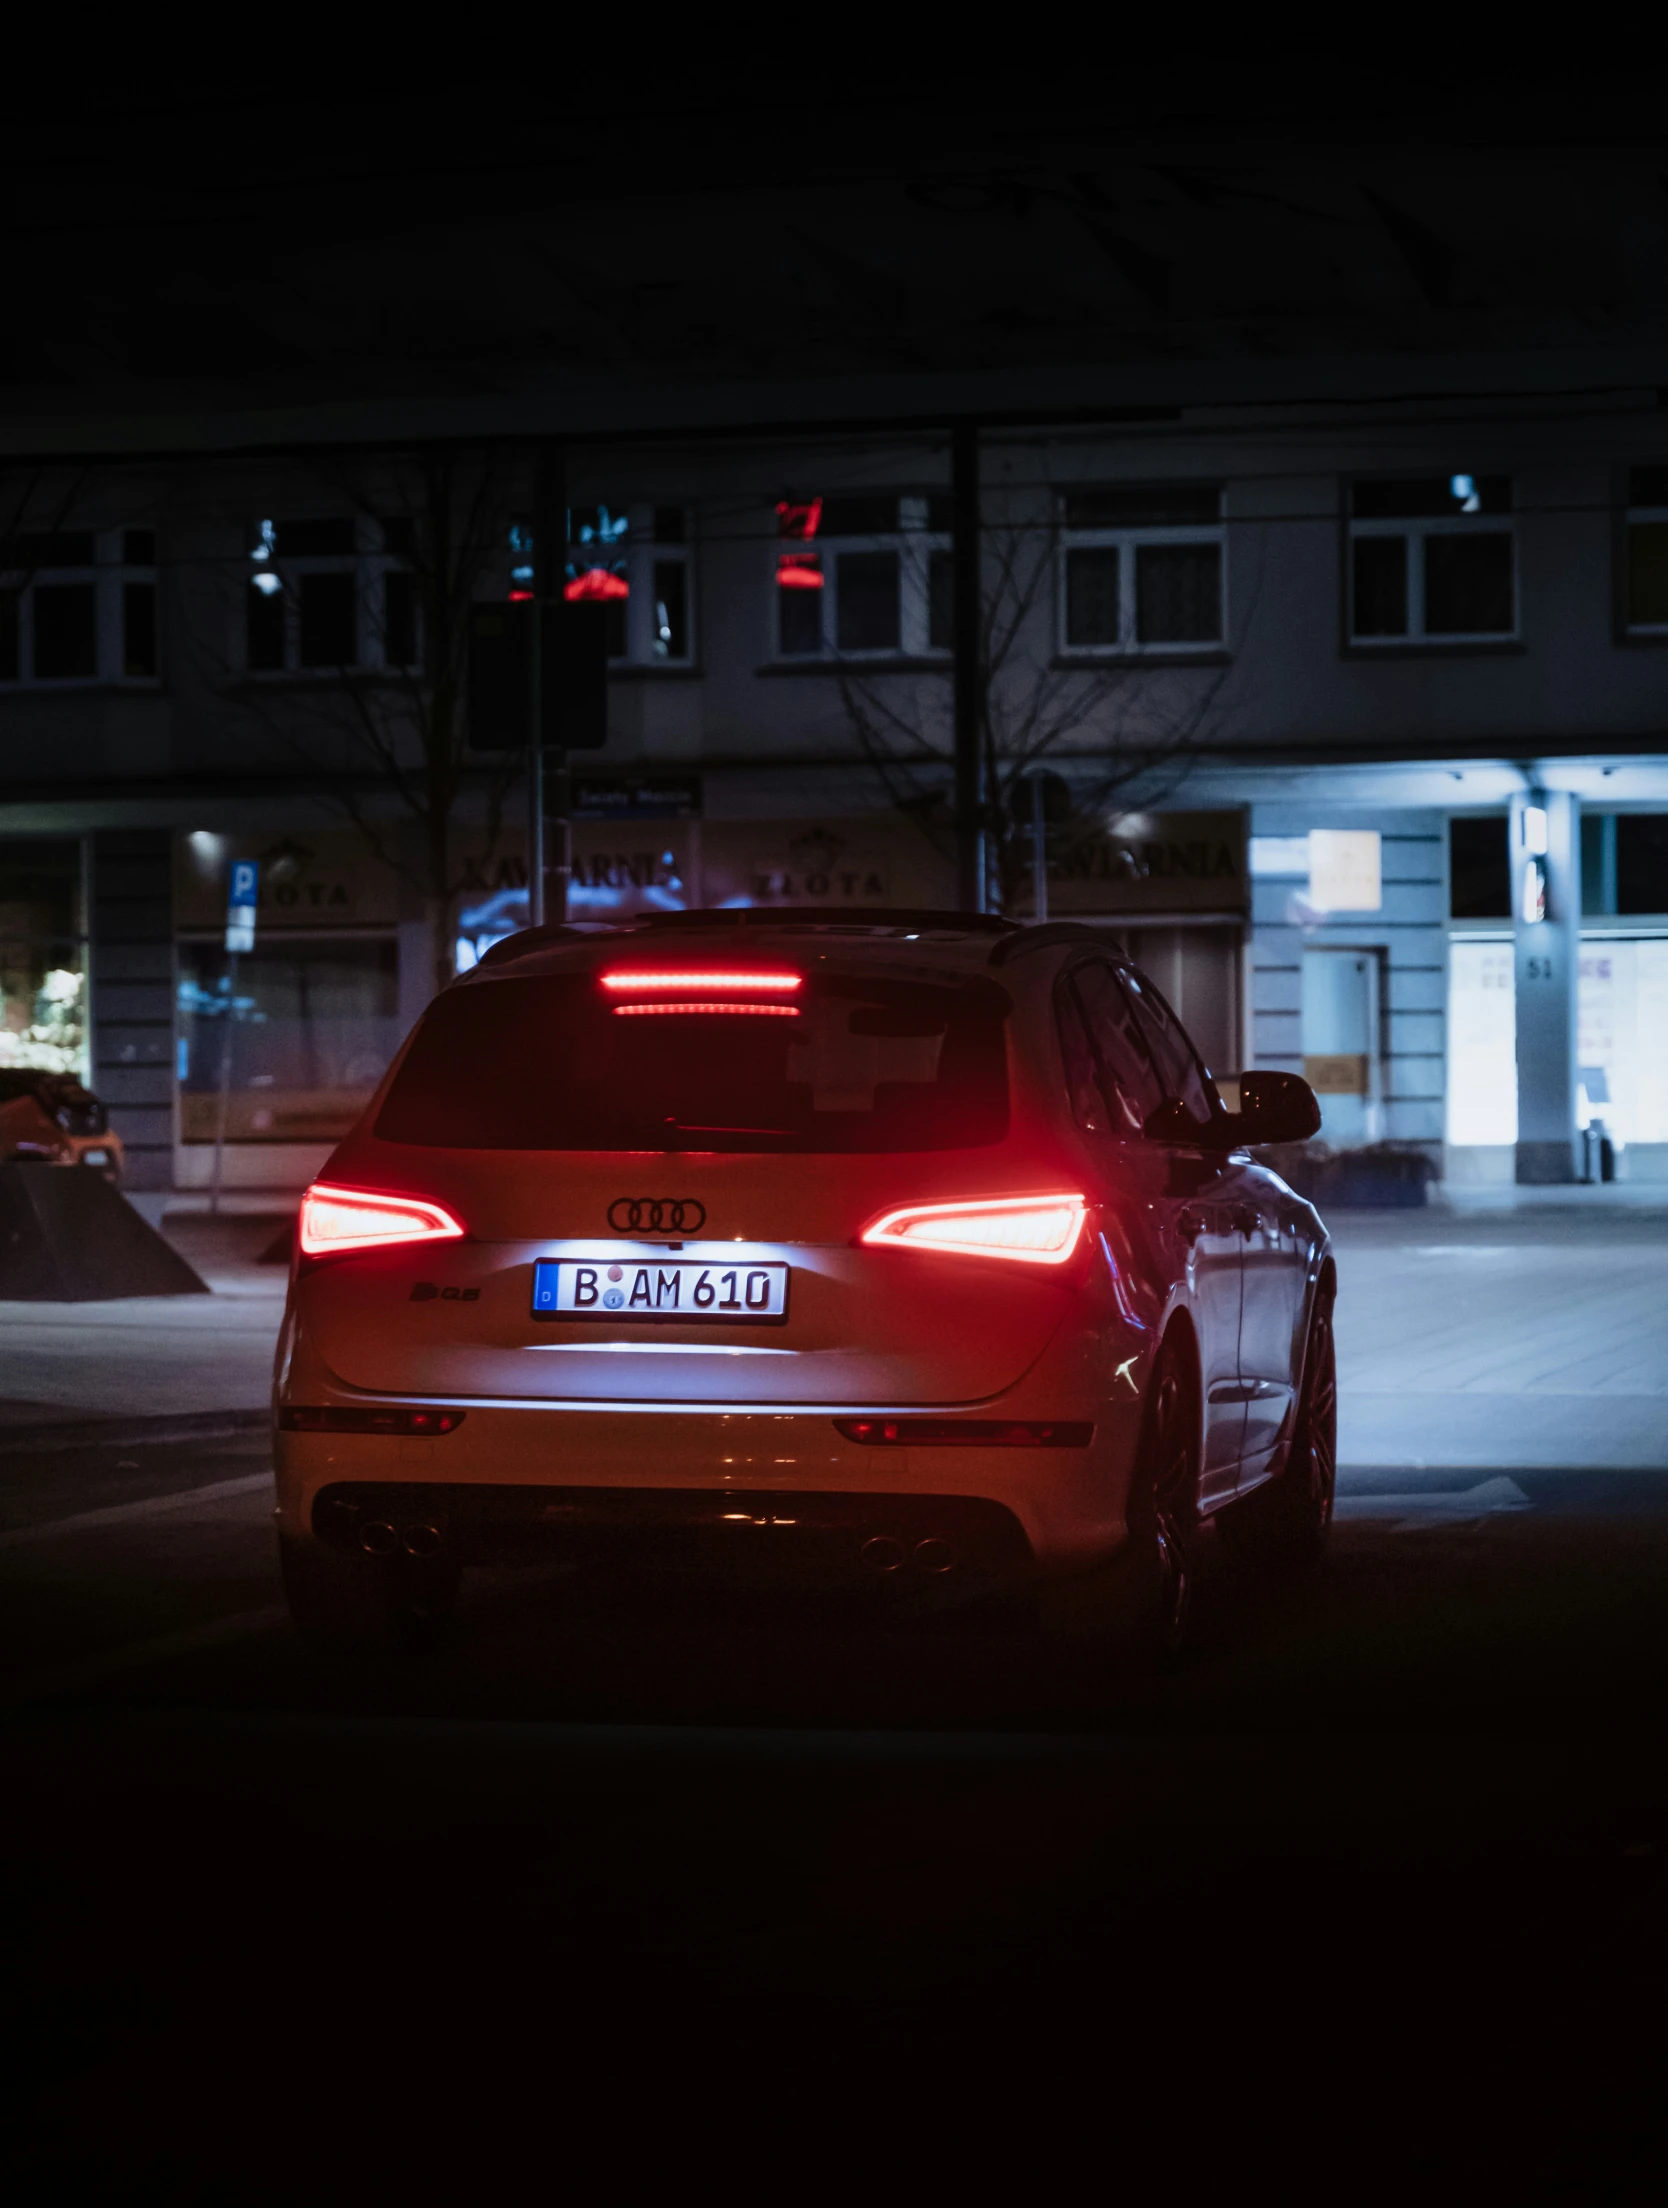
(969, 752)
(549, 793)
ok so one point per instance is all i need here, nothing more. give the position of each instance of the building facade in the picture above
(1358, 722)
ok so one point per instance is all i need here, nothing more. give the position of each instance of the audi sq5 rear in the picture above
(908, 1253)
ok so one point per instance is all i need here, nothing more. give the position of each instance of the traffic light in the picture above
(574, 675)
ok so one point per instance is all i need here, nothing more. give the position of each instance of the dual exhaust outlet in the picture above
(377, 1537)
(884, 1555)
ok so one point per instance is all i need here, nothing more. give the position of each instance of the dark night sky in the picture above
(219, 267)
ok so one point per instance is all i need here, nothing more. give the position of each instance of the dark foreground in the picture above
(1371, 1893)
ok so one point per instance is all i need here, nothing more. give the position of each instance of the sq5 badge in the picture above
(426, 1291)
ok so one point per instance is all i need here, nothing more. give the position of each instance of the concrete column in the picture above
(132, 930)
(1544, 843)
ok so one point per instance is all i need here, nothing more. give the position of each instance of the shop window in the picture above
(1642, 862)
(1646, 588)
(1142, 569)
(636, 560)
(331, 593)
(310, 1027)
(43, 986)
(1479, 868)
(1432, 560)
(78, 605)
(867, 575)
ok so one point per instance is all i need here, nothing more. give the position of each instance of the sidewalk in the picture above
(145, 1357)
(1525, 1335)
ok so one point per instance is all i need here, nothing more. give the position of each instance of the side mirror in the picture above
(1275, 1107)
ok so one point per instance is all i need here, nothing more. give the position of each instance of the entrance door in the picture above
(1340, 1042)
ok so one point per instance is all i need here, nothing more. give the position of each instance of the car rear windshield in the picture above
(859, 1063)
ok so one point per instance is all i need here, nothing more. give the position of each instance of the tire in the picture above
(1160, 1568)
(367, 1605)
(1285, 1525)
(1140, 1606)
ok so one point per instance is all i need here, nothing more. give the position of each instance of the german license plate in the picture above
(633, 1288)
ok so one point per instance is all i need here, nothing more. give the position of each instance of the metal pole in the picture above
(554, 847)
(225, 1083)
(1039, 851)
(969, 751)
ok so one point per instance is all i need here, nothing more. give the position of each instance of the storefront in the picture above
(282, 1048)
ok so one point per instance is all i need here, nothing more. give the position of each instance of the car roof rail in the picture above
(1046, 934)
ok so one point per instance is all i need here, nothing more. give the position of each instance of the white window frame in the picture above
(109, 574)
(914, 541)
(643, 553)
(1632, 515)
(1416, 530)
(368, 562)
(1127, 539)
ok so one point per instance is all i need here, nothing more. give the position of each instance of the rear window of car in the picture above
(863, 1063)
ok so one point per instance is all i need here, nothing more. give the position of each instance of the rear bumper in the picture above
(513, 1480)
(705, 1533)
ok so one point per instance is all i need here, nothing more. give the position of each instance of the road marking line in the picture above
(137, 1654)
(150, 1506)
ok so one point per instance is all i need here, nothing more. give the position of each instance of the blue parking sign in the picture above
(240, 904)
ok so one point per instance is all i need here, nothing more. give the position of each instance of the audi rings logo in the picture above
(657, 1215)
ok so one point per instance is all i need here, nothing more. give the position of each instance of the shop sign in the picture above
(871, 859)
(620, 867)
(638, 797)
(1148, 863)
(333, 880)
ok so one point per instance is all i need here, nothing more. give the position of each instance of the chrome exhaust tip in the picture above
(423, 1540)
(882, 1554)
(378, 1538)
(935, 1555)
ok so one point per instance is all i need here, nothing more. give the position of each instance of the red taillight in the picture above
(759, 1011)
(739, 980)
(1034, 1230)
(335, 1219)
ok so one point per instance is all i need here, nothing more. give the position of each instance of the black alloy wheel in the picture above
(1164, 1505)
(1283, 1525)
(1310, 1476)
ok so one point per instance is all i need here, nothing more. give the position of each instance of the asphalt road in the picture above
(1371, 1891)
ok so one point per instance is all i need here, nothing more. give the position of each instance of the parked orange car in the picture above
(50, 1119)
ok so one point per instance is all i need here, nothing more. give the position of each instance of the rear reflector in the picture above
(338, 1219)
(1036, 1230)
(307, 1418)
(968, 1433)
(759, 1011)
(620, 979)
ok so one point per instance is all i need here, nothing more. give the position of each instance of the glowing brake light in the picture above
(335, 1219)
(759, 1011)
(1035, 1230)
(622, 978)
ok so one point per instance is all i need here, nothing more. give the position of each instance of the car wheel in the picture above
(1142, 1605)
(368, 1605)
(1287, 1522)
(1164, 1505)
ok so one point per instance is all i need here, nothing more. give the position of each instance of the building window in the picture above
(298, 1047)
(326, 595)
(1142, 570)
(863, 576)
(1432, 560)
(1646, 591)
(78, 605)
(43, 966)
(635, 558)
